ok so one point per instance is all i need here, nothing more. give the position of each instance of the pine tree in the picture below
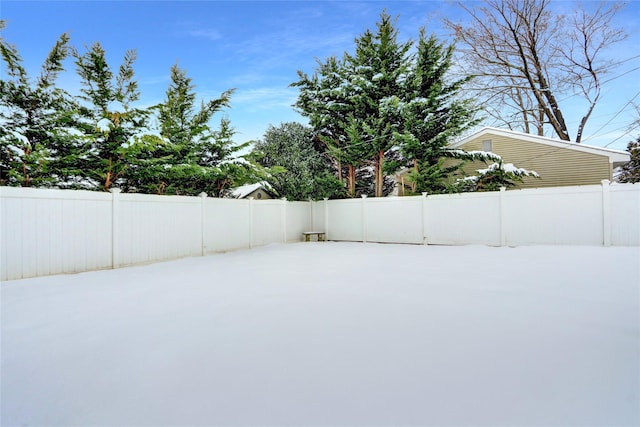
(434, 115)
(36, 131)
(109, 121)
(188, 156)
(346, 101)
(381, 65)
(384, 107)
(495, 176)
(631, 170)
(227, 167)
(325, 99)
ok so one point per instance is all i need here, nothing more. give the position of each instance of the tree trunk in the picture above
(414, 184)
(540, 121)
(107, 181)
(27, 179)
(583, 121)
(351, 180)
(379, 175)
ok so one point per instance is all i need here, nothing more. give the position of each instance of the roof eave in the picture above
(615, 156)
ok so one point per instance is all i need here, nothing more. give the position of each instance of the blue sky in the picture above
(257, 47)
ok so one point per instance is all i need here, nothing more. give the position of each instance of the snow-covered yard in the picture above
(331, 333)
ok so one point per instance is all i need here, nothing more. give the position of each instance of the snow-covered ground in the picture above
(331, 333)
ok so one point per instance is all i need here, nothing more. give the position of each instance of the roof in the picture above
(615, 156)
(244, 190)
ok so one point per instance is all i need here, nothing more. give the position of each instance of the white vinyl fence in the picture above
(46, 232)
(607, 214)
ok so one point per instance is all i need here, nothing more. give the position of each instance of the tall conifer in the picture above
(385, 106)
(109, 119)
(37, 138)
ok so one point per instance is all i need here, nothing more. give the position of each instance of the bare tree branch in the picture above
(525, 55)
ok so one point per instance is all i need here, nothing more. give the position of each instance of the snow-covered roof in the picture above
(615, 156)
(244, 190)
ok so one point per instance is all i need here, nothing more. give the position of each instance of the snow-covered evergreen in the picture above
(495, 176)
(100, 138)
(386, 107)
(37, 144)
(630, 172)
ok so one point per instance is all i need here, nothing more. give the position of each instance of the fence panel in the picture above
(460, 219)
(267, 222)
(51, 232)
(155, 228)
(394, 220)
(557, 216)
(227, 225)
(625, 214)
(318, 214)
(297, 220)
(344, 220)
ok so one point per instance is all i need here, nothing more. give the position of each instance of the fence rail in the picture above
(46, 232)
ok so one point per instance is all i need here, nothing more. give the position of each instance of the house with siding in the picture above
(559, 163)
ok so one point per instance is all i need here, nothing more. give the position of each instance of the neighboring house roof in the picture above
(248, 189)
(615, 156)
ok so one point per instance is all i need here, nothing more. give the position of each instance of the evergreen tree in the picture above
(350, 103)
(631, 170)
(381, 65)
(37, 142)
(385, 107)
(325, 99)
(188, 156)
(495, 176)
(297, 170)
(227, 168)
(434, 115)
(109, 121)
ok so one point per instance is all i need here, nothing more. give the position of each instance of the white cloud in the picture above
(265, 98)
(207, 33)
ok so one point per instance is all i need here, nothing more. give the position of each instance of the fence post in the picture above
(606, 213)
(326, 218)
(203, 202)
(364, 218)
(424, 218)
(503, 233)
(250, 222)
(115, 226)
(284, 219)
